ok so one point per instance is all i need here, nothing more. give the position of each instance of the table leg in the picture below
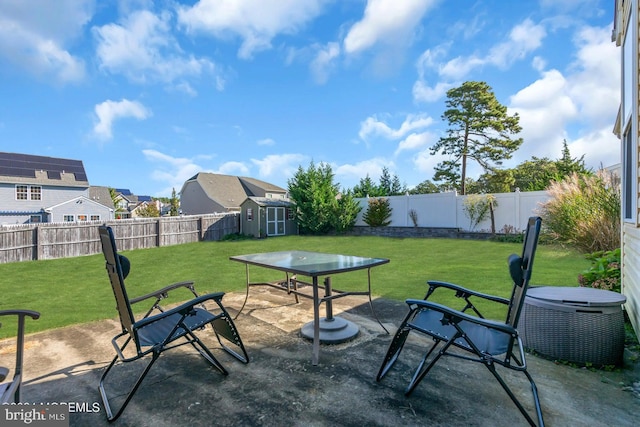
(246, 297)
(316, 323)
(329, 302)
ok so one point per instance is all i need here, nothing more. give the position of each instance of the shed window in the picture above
(249, 214)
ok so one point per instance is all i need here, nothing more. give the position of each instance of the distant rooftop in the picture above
(26, 166)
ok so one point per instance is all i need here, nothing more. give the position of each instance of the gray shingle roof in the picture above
(230, 191)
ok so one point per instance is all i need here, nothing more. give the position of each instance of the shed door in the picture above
(275, 221)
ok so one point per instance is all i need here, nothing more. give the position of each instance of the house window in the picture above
(35, 218)
(36, 193)
(629, 187)
(26, 192)
(290, 214)
(250, 214)
(95, 217)
(82, 217)
(21, 192)
(68, 218)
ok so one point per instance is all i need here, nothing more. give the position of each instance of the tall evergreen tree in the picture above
(479, 129)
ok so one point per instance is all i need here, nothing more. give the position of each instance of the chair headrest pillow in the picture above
(125, 264)
(515, 269)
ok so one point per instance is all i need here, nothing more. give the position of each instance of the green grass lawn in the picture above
(76, 290)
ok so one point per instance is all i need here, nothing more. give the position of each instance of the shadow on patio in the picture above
(280, 386)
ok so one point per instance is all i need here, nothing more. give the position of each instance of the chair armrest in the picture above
(456, 316)
(182, 309)
(462, 292)
(164, 292)
(23, 313)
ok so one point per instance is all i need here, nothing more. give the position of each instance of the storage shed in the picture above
(266, 217)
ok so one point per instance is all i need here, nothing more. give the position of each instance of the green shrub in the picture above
(477, 206)
(378, 212)
(604, 272)
(584, 210)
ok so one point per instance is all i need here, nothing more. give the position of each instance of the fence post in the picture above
(159, 231)
(38, 244)
(517, 213)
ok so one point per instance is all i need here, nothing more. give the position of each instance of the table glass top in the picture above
(309, 263)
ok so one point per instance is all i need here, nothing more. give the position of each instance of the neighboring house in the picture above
(37, 189)
(264, 217)
(214, 193)
(142, 205)
(79, 209)
(102, 196)
(128, 205)
(625, 34)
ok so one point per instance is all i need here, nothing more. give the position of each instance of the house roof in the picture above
(101, 195)
(79, 199)
(29, 169)
(230, 191)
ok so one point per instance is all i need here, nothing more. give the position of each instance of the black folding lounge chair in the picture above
(163, 330)
(10, 390)
(485, 341)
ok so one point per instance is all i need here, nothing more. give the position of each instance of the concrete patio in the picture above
(280, 386)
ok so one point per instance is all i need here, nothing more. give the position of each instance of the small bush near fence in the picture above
(63, 240)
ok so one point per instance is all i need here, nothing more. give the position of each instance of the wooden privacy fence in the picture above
(62, 240)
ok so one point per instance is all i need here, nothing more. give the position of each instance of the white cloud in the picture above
(324, 62)
(173, 171)
(425, 163)
(281, 166)
(430, 59)
(266, 141)
(36, 41)
(143, 49)
(233, 168)
(372, 127)
(109, 111)
(524, 38)
(424, 93)
(350, 174)
(600, 148)
(587, 95)
(415, 141)
(256, 22)
(388, 22)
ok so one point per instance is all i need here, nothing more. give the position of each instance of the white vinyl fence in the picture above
(447, 210)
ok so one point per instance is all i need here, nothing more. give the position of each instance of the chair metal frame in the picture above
(10, 390)
(488, 342)
(162, 329)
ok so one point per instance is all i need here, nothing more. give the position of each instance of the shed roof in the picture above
(267, 202)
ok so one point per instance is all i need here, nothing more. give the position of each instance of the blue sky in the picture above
(149, 93)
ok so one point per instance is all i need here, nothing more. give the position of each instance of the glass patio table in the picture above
(329, 329)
